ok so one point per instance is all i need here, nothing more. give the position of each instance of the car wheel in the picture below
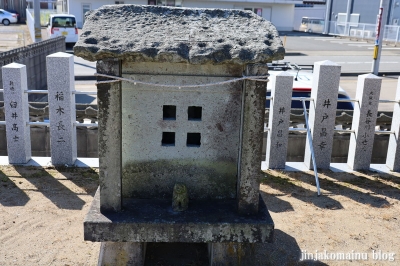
(309, 31)
(6, 22)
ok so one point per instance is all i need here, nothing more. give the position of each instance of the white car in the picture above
(6, 17)
(63, 25)
(301, 85)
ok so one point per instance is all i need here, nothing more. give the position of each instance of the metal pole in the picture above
(38, 29)
(311, 146)
(380, 27)
(347, 27)
(327, 16)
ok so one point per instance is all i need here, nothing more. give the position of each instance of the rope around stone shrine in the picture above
(118, 79)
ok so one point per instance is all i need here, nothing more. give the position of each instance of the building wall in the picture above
(76, 7)
(368, 12)
(281, 15)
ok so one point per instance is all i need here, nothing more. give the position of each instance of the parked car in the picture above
(316, 25)
(6, 17)
(63, 25)
(14, 12)
(301, 85)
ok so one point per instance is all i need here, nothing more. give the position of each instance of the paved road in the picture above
(354, 56)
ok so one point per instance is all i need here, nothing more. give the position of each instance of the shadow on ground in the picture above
(365, 188)
(297, 190)
(47, 181)
(15, 197)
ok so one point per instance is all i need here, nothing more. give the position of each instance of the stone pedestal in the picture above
(152, 220)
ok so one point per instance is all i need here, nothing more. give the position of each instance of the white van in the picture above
(316, 25)
(63, 25)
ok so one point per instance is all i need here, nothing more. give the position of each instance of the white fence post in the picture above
(393, 154)
(322, 113)
(279, 120)
(60, 81)
(16, 113)
(364, 122)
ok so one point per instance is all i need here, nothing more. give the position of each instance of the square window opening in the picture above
(168, 139)
(193, 140)
(195, 113)
(169, 112)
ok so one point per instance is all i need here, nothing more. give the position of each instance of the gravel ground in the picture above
(42, 212)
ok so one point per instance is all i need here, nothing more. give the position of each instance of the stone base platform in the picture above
(148, 220)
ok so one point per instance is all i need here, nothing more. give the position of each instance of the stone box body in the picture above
(206, 164)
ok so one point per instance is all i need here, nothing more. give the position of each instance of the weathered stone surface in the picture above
(248, 182)
(153, 220)
(169, 34)
(150, 169)
(232, 254)
(122, 253)
(109, 102)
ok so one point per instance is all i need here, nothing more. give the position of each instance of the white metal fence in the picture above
(364, 31)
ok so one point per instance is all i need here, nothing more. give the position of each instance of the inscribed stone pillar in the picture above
(252, 135)
(393, 155)
(60, 81)
(322, 113)
(364, 121)
(16, 113)
(279, 120)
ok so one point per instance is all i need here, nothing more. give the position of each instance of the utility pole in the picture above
(327, 16)
(38, 28)
(347, 27)
(380, 28)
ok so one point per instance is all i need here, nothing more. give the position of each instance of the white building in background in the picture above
(279, 12)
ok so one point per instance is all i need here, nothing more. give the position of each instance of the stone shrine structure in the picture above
(157, 131)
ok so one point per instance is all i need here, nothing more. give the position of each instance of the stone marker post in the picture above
(364, 121)
(60, 80)
(322, 113)
(16, 113)
(393, 155)
(279, 120)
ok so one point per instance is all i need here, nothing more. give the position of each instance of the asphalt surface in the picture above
(353, 55)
